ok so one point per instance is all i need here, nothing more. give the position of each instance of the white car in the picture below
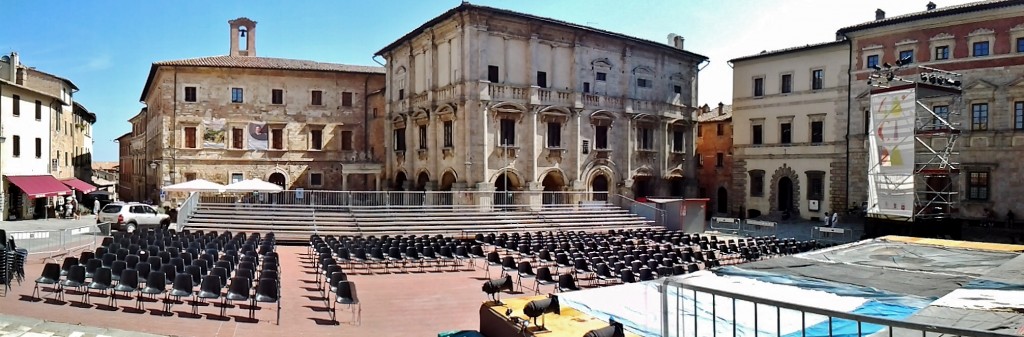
(132, 216)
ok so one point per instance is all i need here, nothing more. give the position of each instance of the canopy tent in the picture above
(252, 185)
(79, 185)
(198, 185)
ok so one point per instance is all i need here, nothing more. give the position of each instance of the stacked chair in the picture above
(193, 266)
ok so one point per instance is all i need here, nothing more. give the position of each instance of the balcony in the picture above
(544, 96)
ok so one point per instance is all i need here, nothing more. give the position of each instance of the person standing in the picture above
(96, 207)
(835, 219)
(828, 220)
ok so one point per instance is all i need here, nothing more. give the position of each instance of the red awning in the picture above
(79, 185)
(39, 186)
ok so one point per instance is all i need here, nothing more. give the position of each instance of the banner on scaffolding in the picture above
(891, 153)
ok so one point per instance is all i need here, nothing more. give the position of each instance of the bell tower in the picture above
(246, 29)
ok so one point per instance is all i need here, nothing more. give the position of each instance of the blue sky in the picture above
(106, 46)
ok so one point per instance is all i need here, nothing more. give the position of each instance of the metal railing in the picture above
(683, 316)
(759, 228)
(655, 214)
(402, 199)
(726, 225)
(188, 208)
(51, 243)
(832, 235)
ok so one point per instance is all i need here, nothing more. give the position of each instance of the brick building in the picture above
(295, 123)
(714, 158)
(984, 41)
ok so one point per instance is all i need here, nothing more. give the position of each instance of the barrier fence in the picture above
(656, 215)
(399, 199)
(693, 310)
(832, 235)
(745, 227)
(51, 243)
(726, 225)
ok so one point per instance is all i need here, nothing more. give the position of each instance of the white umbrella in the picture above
(198, 185)
(253, 185)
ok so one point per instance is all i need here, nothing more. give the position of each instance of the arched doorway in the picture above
(277, 178)
(554, 184)
(447, 181)
(785, 197)
(400, 181)
(676, 187)
(641, 187)
(599, 186)
(723, 201)
(505, 186)
(397, 196)
(422, 180)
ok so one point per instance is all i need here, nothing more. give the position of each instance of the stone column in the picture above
(376, 182)
(535, 196)
(344, 181)
(485, 195)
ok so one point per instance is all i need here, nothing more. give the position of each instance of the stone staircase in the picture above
(297, 222)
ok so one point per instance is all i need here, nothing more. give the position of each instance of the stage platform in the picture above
(945, 283)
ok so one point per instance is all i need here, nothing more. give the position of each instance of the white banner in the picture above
(891, 154)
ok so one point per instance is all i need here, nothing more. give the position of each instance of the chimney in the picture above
(930, 6)
(15, 64)
(245, 28)
(675, 40)
(721, 107)
(879, 14)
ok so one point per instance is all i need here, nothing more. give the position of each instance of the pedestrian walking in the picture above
(96, 207)
(828, 220)
(835, 219)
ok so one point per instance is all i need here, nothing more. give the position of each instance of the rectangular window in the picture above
(16, 146)
(977, 185)
(872, 61)
(1020, 44)
(1018, 115)
(586, 146)
(236, 95)
(601, 76)
(316, 179)
(677, 89)
(190, 94)
(719, 159)
(554, 135)
(643, 83)
(542, 79)
(817, 132)
(758, 87)
(508, 132)
(401, 93)
(190, 176)
(941, 53)
(943, 112)
(316, 98)
(816, 188)
(449, 134)
(757, 134)
(979, 117)
(700, 130)
(277, 96)
(980, 49)
(235, 177)
(423, 137)
(346, 99)
(719, 129)
(601, 137)
(190, 137)
(346, 140)
(316, 139)
(817, 79)
(237, 138)
(787, 84)
(586, 87)
(678, 141)
(907, 55)
(700, 160)
(39, 110)
(17, 107)
(399, 135)
(756, 184)
(644, 138)
(492, 74)
(39, 147)
(277, 139)
(786, 133)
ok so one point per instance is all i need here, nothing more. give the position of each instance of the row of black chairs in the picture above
(121, 265)
(332, 279)
(388, 253)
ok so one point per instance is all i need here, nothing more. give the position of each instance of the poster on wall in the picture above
(891, 157)
(214, 135)
(257, 136)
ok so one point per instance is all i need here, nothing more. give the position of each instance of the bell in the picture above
(242, 32)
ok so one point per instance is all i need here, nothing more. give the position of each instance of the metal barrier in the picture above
(760, 228)
(656, 215)
(384, 199)
(188, 208)
(715, 314)
(832, 235)
(50, 243)
(726, 225)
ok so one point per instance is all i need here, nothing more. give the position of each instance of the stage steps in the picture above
(297, 222)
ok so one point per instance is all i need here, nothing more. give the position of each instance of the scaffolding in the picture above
(938, 98)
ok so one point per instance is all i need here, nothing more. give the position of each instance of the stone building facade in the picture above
(485, 99)
(789, 109)
(126, 173)
(984, 42)
(714, 156)
(295, 123)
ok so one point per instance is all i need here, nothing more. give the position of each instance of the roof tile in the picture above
(254, 62)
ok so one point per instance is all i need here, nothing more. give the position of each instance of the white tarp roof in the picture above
(198, 185)
(253, 185)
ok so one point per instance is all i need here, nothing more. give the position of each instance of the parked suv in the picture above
(132, 216)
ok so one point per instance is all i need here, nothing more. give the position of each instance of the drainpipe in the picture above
(366, 113)
(849, 112)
